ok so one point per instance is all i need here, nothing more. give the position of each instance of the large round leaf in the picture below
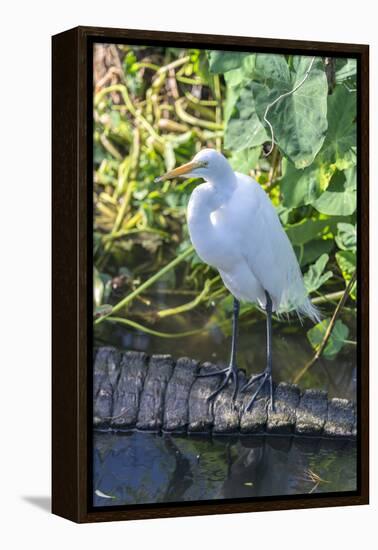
(222, 61)
(345, 68)
(299, 120)
(340, 144)
(336, 340)
(301, 187)
(244, 128)
(338, 199)
(246, 160)
(307, 230)
(310, 251)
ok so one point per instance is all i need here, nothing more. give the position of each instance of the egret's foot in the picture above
(229, 373)
(264, 377)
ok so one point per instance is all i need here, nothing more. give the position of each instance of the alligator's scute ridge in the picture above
(159, 393)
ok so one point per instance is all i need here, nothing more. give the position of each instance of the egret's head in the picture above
(207, 164)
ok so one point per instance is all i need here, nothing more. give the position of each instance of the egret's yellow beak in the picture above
(180, 171)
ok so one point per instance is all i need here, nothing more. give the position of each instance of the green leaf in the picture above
(315, 278)
(283, 213)
(246, 160)
(313, 249)
(248, 66)
(351, 178)
(307, 230)
(345, 68)
(340, 144)
(243, 126)
(234, 78)
(272, 67)
(346, 237)
(338, 199)
(299, 120)
(223, 61)
(346, 260)
(336, 340)
(301, 187)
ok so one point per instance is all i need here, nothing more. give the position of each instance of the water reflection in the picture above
(136, 468)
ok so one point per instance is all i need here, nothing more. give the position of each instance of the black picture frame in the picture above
(72, 272)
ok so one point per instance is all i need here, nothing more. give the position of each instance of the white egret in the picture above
(235, 228)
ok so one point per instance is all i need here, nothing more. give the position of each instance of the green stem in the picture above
(217, 293)
(195, 101)
(110, 147)
(127, 171)
(327, 297)
(126, 98)
(125, 232)
(351, 342)
(173, 292)
(137, 326)
(328, 331)
(174, 64)
(155, 332)
(146, 284)
(192, 81)
(146, 65)
(189, 305)
(192, 120)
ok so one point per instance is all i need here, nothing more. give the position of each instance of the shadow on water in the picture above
(136, 468)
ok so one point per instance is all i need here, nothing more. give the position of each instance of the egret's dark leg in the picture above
(230, 372)
(265, 376)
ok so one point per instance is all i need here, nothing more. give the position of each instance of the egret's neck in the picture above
(208, 198)
(223, 180)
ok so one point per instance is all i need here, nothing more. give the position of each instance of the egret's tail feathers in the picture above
(307, 309)
(296, 299)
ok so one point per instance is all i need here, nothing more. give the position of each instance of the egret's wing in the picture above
(266, 247)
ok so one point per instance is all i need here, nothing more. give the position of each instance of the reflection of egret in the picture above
(235, 228)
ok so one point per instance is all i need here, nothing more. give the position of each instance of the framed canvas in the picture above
(210, 274)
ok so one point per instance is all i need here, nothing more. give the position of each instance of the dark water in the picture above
(144, 468)
(136, 468)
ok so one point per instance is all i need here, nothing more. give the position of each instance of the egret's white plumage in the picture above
(235, 228)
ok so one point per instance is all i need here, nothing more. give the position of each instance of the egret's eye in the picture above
(204, 163)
